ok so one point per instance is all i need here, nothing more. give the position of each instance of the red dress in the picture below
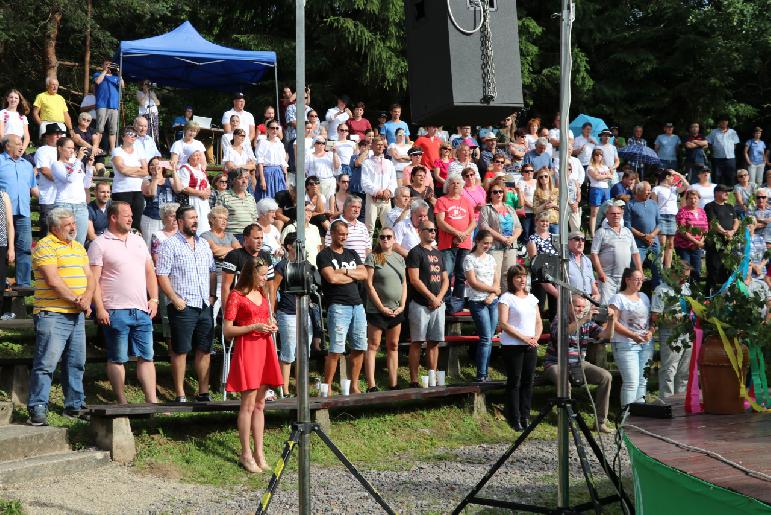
(254, 362)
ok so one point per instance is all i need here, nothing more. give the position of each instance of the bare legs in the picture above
(355, 361)
(201, 365)
(392, 353)
(116, 372)
(432, 358)
(667, 246)
(251, 425)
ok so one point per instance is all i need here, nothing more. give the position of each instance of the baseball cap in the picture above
(669, 124)
(238, 96)
(606, 132)
(415, 151)
(723, 188)
(576, 234)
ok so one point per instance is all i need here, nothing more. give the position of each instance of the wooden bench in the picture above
(111, 426)
(18, 295)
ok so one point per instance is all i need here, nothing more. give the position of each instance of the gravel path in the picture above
(435, 487)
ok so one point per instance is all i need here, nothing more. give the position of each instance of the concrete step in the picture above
(62, 463)
(19, 442)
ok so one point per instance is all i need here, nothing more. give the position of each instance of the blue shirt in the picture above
(187, 269)
(756, 150)
(98, 217)
(17, 177)
(620, 189)
(390, 130)
(723, 143)
(107, 93)
(538, 161)
(643, 216)
(667, 146)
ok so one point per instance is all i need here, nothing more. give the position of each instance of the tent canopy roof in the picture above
(182, 58)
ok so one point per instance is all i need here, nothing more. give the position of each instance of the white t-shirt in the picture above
(321, 167)
(185, 150)
(586, 154)
(271, 153)
(334, 118)
(225, 141)
(667, 198)
(530, 140)
(123, 183)
(345, 149)
(523, 313)
(707, 193)
(71, 181)
(406, 235)
(555, 134)
(238, 158)
(13, 122)
(45, 157)
(196, 179)
(594, 183)
(484, 272)
(271, 239)
(633, 314)
(609, 153)
(402, 149)
(245, 117)
(528, 190)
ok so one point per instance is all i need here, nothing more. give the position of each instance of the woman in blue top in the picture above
(756, 155)
(501, 220)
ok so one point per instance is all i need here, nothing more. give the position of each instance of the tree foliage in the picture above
(635, 61)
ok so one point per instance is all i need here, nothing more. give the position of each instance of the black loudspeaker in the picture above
(445, 66)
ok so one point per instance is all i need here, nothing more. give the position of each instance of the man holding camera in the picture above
(107, 91)
(581, 330)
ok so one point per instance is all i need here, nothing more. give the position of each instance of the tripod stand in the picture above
(577, 426)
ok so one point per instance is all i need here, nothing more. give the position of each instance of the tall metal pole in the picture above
(303, 301)
(563, 390)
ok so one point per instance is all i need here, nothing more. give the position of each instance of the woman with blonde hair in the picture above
(183, 148)
(254, 367)
(546, 199)
(387, 287)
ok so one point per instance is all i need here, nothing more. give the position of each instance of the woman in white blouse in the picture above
(521, 327)
(239, 154)
(130, 169)
(183, 148)
(322, 164)
(398, 152)
(13, 117)
(227, 138)
(271, 164)
(72, 179)
(193, 182)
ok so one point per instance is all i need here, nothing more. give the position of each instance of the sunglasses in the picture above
(131, 134)
(313, 116)
(384, 237)
(543, 176)
(497, 192)
(342, 130)
(313, 183)
(469, 176)
(319, 142)
(527, 171)
(759, 197)
(273, 128)
(499, 162)
(578, 239)
(429, 229)
(222, 181)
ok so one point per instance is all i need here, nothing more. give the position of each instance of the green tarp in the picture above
(660, 490)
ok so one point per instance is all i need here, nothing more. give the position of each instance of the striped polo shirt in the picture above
(70, 260)
(359, 239)
(241, 211)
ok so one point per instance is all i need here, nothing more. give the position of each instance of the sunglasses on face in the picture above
(342, 130)
(760, 198)
(497, 192)
(468, 176)
(273, 128)
(313, 116)
(543, 176)
(384, 237)
(527, 171)
(499, 162)
(429, 229)
(579, 239)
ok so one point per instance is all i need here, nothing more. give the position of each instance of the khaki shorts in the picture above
(107, 117)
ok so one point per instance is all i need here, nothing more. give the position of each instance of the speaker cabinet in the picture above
(445, 65)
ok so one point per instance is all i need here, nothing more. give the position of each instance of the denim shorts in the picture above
(191, 328)
(667, 225)
(130, 333)
(426, 325)
(598, 195)
(287, 329)
(346, 322)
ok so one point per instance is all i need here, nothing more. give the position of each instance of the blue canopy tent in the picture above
(182, 58)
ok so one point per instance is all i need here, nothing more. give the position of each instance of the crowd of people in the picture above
(404, 232)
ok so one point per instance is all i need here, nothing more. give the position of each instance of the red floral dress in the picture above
(254, 362)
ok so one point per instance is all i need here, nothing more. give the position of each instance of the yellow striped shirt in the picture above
(70, 260)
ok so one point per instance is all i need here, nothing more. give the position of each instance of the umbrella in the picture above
(597, 124)
(639, 155)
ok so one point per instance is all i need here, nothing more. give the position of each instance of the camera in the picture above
(86, 155)
(601, 316)
(168, 173)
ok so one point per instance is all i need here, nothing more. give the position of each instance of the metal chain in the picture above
(489, 91)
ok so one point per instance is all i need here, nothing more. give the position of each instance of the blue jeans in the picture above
(693, 258)
(554, 228)
(486, 320)
(58, 335)
(649, 256)
(669, 163)
(81, 219)
(631, 359)
(453, 265)
(287, 329)
(23, 245)
(346, 322)
(130, 333)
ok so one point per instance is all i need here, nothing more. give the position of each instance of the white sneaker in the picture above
(8, 316)
(270, 396)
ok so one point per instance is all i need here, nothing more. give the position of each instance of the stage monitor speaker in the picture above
(445, 66)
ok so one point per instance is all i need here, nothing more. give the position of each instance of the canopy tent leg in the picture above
(278, 98)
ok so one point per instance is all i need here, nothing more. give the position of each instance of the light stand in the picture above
(302, 279)
(569, 421)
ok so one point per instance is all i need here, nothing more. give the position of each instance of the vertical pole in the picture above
(563, 391)
(120, 89)
(278, 98)
(303, 313)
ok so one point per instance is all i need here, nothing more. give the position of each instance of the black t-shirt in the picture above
(286, 301)
(236, 260)
(725, 214)
(345, 294)
(430, 268)
(287, 205)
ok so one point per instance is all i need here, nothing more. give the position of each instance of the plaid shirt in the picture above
(187, 269)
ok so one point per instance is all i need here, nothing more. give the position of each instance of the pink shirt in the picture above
(477, 196)
(686, 218)
(123, 263)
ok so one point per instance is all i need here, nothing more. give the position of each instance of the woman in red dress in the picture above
(254, 366)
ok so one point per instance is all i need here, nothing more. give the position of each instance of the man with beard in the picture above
(236, 260)
(126, 300)
(64, 287)
(187, 275)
